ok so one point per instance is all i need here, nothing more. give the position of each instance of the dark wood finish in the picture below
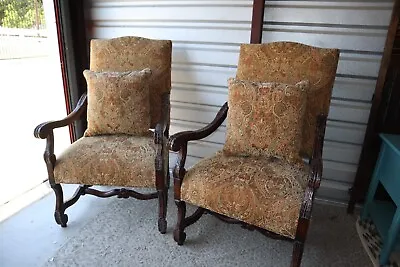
(257, 21)
(177, 140)
(385, 110)
(120, 193)
(179, 143)
(161, 135)
(298, 248)
(194, 217)
(80, 191)
(45, 131)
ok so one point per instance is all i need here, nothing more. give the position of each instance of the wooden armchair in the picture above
(117, 158)
(263, 191)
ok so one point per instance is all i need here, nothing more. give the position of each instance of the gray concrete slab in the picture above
(31, 237)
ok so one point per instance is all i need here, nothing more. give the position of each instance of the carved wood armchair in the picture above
(266, 176)
(114, 153)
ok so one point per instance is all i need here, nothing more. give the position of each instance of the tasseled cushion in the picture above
(114, 160)
(265, 192)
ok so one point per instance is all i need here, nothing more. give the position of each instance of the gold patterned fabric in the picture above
(136, 53)
(114, 160)
(289, 62)
(118, 102)
(265, 119)
(265, 192)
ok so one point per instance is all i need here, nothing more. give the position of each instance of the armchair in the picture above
(117, 159)
(263, 188)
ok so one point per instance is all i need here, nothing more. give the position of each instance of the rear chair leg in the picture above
(162, 201)
(59, 215)
(298, 248)
(179, 234)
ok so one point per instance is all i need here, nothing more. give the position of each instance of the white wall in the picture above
(206, 37)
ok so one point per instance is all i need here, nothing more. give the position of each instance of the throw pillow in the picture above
(118, 102)
(265, 119)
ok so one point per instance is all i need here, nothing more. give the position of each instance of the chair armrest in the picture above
(44, 129)
(314, 180)
(178, 143)
(178, 140)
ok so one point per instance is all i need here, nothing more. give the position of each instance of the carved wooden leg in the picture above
(59, 215)
(162, 202)
(298, 248)
(179, 234)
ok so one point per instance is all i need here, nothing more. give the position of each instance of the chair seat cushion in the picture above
(265, 192)
(115, 160)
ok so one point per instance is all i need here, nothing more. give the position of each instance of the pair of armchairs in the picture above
(265, 177)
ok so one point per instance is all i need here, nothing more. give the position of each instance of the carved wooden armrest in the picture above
(178, 143)
(315, 175)
(178, 140)
(43, 130)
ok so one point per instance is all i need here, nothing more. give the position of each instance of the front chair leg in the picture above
(179, 234)
(59, 215)
(162, 200)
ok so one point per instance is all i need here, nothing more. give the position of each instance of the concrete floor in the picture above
(21, 246)
(32, 238)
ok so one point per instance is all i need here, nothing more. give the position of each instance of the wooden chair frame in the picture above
(179, 142)
(161, 133)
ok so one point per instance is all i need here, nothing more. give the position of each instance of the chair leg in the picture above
(179, 234)
(59, 215)
(297, 255)
(162, 201)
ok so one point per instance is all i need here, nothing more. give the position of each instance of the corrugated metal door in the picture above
(206, 36)
(358, 29)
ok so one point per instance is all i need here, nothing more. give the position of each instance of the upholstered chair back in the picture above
(289, 62)
(136, 53)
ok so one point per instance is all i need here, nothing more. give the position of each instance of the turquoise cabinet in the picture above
(384, 214)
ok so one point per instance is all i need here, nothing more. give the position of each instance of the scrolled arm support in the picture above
(315, 174)
(176, 141)
(43, 130)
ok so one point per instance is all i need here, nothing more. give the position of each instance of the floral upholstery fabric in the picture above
(114, 160)
(118, 102)
(289, 62)
(265, 192)
(136, 53)
(265, 119)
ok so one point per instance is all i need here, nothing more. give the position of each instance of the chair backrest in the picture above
(289, 62)
(136, 53)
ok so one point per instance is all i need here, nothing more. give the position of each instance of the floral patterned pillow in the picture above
(265, 119)
(118, 102)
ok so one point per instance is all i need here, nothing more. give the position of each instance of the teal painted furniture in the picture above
(385, 214)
